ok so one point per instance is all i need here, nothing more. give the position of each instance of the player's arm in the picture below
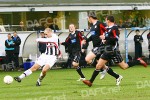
(89, 39)
(46, 40)
(66, 41)
(80, 36)
(102, 28)
(114, 36)
(111, 36)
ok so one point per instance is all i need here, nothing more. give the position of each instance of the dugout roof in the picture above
(71, 5)
(68, 2)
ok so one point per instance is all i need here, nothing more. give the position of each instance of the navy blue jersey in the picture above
(112, 35)
(74, 41)
(95, 31)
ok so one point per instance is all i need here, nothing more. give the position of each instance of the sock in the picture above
(94, 62)
(41, 76)
(95, 73)
(133, 63)
(25, 74)
(112, 73)
(101, 70)
(80, 72)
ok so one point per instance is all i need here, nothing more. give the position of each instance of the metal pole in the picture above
(126, 45)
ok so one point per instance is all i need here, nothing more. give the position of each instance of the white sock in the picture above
(25, 74)
(40, 78)
(41, 74)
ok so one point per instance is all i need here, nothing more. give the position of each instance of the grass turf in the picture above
(62, 85)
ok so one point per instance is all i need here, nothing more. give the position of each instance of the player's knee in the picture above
(88, 60)
(75, 65)
(44, 71)
(99, 66)
(123, 65)
(34, 68)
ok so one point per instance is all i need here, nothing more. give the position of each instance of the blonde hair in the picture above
(47, 30)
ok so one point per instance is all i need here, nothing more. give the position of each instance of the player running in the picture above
(74, 41)
(111, 38)
(47, 59)
(97, 29)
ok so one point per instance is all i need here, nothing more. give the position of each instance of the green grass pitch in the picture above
(61, 84)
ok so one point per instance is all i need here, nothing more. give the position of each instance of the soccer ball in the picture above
(8, 79)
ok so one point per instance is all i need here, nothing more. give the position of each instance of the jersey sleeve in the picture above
(102, 28)
(54, 38)
(67, 41)
(113, 35)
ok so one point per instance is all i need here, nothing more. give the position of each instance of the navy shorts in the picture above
(115, 56)
(76, 56)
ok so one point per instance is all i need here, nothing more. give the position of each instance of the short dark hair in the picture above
(110, 18)
(137, 30)
(92, 14)
(41, 32)
(8, 34)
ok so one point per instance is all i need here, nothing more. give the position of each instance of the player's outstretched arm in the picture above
(46, 40)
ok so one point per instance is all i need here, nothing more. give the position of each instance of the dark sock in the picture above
(41, 78)
(93, 63)
(95, 73)
(80, 72)
(101, 70)
(133, 63)
(112, 73)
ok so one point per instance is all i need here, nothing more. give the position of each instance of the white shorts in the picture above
(46, 59)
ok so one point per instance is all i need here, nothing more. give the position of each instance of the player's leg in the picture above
(75, 64)
(106, 69)
(89, 58)
(49, 62)
(42, 74)
(27, 72)
(103, 71)
(93, 57)
(124, 65)
(99, 66)
(39, 62)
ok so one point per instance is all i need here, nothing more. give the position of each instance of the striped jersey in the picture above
(51, 44)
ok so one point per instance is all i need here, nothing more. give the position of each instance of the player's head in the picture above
(72, 28)
(9, 36)
(92, 16)
(110, 20)
(137, 32)
(48, 32)
(15, 34)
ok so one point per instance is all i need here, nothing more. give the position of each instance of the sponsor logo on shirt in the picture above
(73, 41)
(92, 32)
